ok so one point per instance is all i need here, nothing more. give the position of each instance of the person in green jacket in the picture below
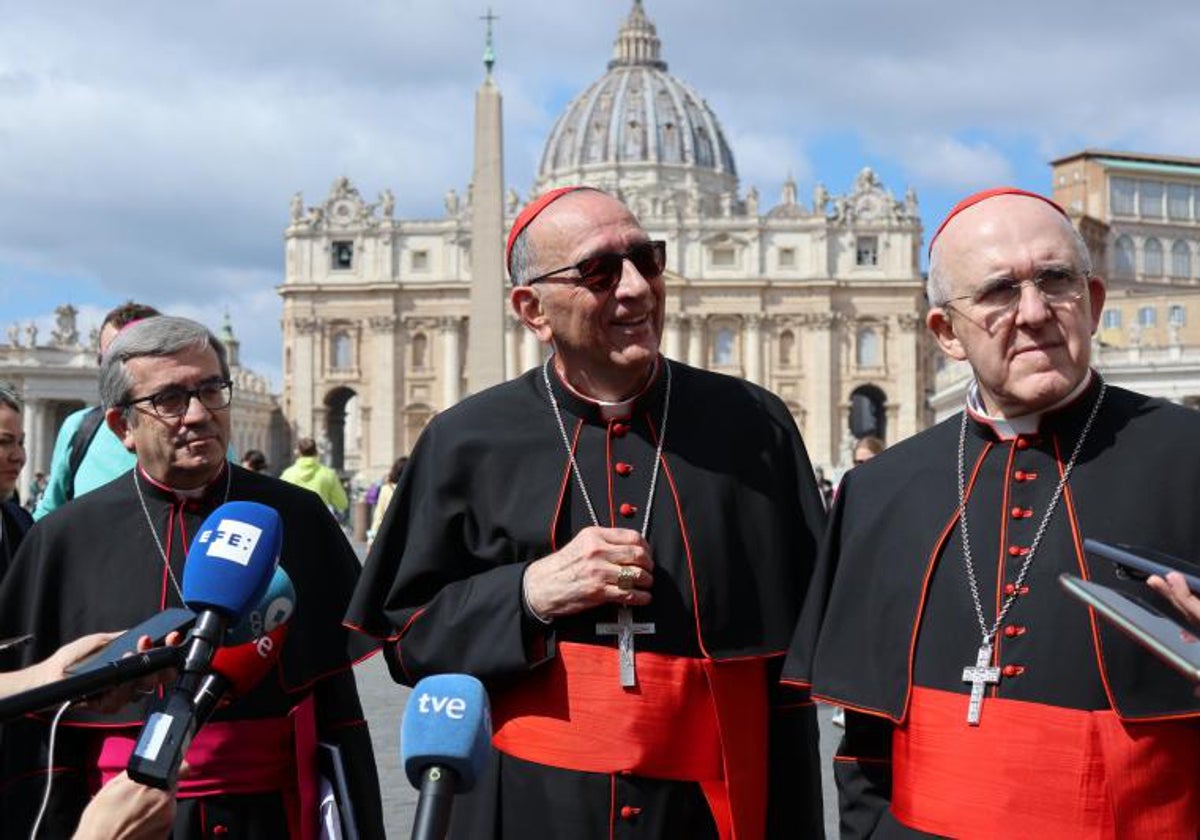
(307, 471)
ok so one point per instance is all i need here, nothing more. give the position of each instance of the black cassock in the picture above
(93, 565)
(890, 623)
(733, 533)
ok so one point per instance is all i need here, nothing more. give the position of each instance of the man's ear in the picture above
(942, 326)
(527, 306)
(116, 420)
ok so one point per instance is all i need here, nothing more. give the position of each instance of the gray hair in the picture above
(937, 285)
(10, 397)
(521, 258)
(162, 335)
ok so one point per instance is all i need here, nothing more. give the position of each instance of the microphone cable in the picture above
(37, 823)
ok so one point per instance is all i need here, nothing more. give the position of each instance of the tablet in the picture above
(1138, 563)
(1172, 642)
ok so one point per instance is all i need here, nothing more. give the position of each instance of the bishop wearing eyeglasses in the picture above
(982, 701)
(617, 545)
(113, 557)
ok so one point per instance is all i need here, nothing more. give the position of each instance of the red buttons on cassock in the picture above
(1013, 670)
(1010, 588)
(1014, 630)
(627, 509)
(1031, 476)
(620, 429)
(1018, 475)
(1014, 551)
(622, 468)
(628, 812)
(1022, 443)
(219, 831)
(1016, 513)
(1021, 513)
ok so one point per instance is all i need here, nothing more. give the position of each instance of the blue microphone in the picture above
(445, 742)
(228, 569)
(250, 648)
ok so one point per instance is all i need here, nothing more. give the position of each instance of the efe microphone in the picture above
(228, 569)
(445, 741)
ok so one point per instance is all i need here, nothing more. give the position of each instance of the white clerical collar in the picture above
(1024, 424)
(609, 410)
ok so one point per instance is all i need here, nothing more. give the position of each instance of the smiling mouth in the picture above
(632, 322)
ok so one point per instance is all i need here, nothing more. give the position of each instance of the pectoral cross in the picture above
(982, 673)
(625, 629)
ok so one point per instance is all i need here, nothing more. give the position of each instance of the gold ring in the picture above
(626, 577)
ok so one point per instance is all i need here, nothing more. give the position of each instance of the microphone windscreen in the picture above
(232, 558)
(253, 645)
(447, 723)
(273, 608)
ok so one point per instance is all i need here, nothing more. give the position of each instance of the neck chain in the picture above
(990, 633)
(662, 436)
(137, 485)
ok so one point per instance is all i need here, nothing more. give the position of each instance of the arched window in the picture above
(1123, 257)
(787, 346)
(1152, 258)
(1176, 315)
(868, 348)
(341, 351)
(420, 346)
(723, 347)
(868, 412)
(1147, 317)
(1181, 259)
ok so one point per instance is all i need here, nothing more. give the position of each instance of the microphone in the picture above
(250, 650)
(90, 682)
(229, 567)
(445, 741)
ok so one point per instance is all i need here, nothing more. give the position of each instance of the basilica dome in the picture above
(640, 130)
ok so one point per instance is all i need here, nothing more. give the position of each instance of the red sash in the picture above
(1031, 770)
(687, 719)
(245, 757)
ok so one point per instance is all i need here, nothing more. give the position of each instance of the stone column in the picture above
(673, 340)
(695, 352)
(385, 395)
(531, 355)
(305, 375)
(909, 396)
(822, 403)
(512, 346)
(752, 344)
(451, 361)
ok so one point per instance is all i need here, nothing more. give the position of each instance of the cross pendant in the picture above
(625, 629)
(979, 675)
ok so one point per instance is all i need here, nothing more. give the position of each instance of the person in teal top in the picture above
(104, 457)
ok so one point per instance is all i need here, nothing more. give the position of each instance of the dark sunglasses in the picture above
(603, 271)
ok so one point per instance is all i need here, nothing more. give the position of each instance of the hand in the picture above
(126, 810)
(1175, 589)
(583, 573)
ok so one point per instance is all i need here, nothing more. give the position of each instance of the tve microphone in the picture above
(229, 567)
(251, 648)
(445, 741)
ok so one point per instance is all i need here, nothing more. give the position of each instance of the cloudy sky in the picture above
(149, 149)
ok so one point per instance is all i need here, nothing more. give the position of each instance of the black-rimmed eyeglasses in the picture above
(174, 401)
(603, 271)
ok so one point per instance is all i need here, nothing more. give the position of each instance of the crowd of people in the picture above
(639, 561)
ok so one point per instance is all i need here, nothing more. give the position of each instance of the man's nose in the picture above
(1032, 307)
(632, 283)
(196, 412)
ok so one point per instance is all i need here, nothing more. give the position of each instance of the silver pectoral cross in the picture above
(625, 629)
(982, 673)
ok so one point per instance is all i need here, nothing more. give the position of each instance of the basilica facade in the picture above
(818, 298)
